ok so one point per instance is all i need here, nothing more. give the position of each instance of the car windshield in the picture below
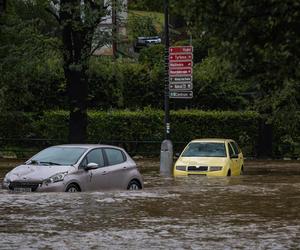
(205, 149)
(58, 156)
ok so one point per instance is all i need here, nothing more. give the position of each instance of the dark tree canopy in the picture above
(78, 22)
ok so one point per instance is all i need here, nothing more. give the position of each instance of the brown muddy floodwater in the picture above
(260, 210)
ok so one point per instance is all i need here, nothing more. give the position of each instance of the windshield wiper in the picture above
(50, 163)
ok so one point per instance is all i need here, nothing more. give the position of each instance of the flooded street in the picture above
(260, 210)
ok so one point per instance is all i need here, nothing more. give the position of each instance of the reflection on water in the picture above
(249, 212)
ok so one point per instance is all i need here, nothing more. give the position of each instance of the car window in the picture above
(114, 156)
(236, 147)
(95, 156)
(59, 155)
(205, 149)
(231, 152)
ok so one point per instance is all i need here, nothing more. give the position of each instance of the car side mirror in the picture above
(91, 165)
(177, 155)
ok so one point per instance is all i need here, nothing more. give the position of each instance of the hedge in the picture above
(138, 126)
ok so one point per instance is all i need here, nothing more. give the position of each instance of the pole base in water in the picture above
(166, 158)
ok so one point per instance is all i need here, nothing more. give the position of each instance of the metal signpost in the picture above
(166, 150)
(178, 85)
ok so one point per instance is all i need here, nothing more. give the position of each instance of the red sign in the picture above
(181, 64)
(180, 57)
(180, 71)
(181, 49)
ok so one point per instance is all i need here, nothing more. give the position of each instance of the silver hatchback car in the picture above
(75, 168)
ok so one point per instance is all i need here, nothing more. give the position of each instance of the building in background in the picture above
(113, 27)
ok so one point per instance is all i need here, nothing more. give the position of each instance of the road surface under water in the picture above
(260, 210)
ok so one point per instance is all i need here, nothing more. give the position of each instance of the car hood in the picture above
(204, 161)
(36, 172)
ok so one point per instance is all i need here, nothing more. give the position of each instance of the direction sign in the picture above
(180, 57)
(180, 86)
(180, 79)
(181, 94)
(181, 49)
(180, 71)
(179, 64)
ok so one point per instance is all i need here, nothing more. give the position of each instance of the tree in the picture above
(141, 26)
(30, 76)
(261, 40)
(78, 22)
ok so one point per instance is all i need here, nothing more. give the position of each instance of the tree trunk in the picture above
(77, 93)
(78, 25)
(265, 140)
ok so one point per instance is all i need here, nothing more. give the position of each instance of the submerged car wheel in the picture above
(134, 185)
(72, 188)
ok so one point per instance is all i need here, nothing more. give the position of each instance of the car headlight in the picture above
(181, 168)
(215, 168)
(56, 178)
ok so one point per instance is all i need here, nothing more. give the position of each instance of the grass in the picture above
(158, 17)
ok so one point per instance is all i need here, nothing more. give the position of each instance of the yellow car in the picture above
(211, 157)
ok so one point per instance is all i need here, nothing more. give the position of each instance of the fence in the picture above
(26, 147)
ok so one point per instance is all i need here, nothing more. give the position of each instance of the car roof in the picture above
(218, 140)
(87, 146)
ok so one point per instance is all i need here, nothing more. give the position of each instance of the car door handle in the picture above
(104, 173)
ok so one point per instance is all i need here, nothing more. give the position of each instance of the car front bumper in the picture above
(34, 187)
(222, 172)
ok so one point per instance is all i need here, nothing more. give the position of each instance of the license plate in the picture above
(19, 189)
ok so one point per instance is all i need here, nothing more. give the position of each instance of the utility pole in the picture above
(166, 153)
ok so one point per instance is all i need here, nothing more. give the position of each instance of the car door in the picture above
(117, 168)
(234, 161)
(238, 151)
(95, 179)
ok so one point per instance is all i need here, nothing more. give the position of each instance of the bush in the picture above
(125, 85)
(133, 127)
(153, 55)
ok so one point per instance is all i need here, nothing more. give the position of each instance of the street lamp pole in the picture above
(166, 152)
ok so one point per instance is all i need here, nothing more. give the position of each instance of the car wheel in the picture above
(134, 185)
(72, 188)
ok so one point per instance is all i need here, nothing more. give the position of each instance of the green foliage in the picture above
(260, 39)
(144, 125)
(240, 126)
(200, 46)
(148, 5)
(15, 125)
(141, 26)
(124, 85)
(31, 75)
(153, 55)
(215, 87)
